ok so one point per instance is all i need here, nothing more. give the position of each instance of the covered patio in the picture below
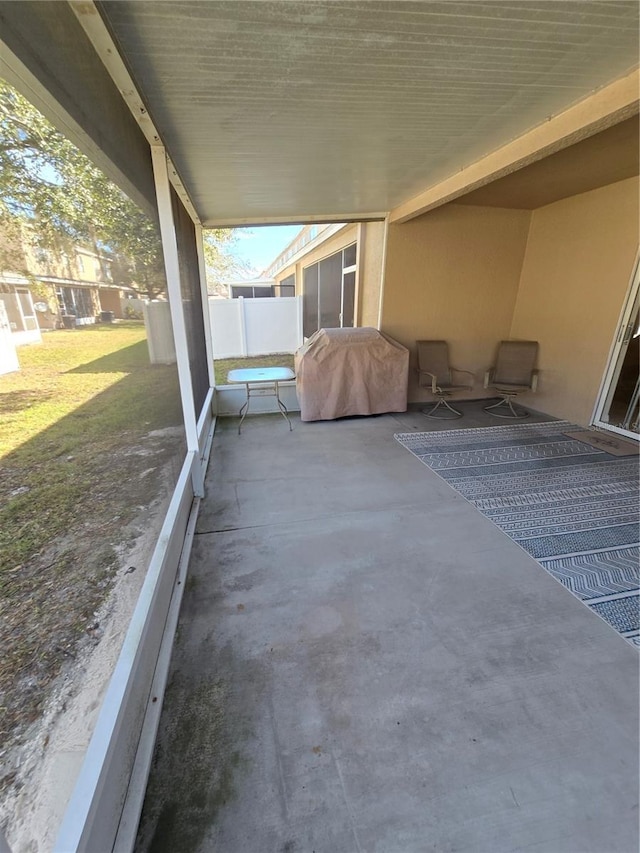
(362, 661)
(365, 663)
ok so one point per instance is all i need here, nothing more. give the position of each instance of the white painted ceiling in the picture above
(341, 109)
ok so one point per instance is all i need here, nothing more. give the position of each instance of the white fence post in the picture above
(243, 325)
(300, 318)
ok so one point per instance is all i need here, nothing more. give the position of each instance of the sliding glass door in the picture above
(329, 292)
(618, 404)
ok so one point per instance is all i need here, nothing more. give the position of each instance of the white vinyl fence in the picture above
(8, 356)
(243, 327)
(157, 321)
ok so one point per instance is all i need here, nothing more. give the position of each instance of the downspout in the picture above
(383, 266)
(361, 231)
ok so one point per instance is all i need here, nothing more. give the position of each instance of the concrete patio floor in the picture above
(365, 664)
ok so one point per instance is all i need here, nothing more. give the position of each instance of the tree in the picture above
(220, 262)
(47, 184)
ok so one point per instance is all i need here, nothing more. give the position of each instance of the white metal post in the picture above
(206, 314)
(172, 269)
(243, 326)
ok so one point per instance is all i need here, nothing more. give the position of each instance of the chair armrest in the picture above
(468, 372)
(421, 373)
(488, 376)
(534, 380)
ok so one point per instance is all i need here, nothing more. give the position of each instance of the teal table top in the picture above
(261, 374)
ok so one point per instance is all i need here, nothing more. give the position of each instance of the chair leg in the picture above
(507, 410)
(442, 417)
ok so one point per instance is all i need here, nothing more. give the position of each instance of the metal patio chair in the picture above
(435, 373)
(513, 373)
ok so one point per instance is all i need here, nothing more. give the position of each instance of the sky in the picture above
(259, 246)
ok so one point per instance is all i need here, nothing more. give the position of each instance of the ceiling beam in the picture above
(302, 219)
(88, 16)
(602, 109)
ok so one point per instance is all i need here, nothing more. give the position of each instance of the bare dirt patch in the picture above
(89, 451)
(45, 757)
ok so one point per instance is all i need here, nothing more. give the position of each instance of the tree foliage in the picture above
(222, 266)
(47, 184)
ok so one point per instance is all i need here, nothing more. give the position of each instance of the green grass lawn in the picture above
(222, 366)
(77, 464)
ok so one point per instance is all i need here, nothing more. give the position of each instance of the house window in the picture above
(329, 292)
(350, 257)
(84, 303)
(287, 287)
(250, 291)
(76, 302)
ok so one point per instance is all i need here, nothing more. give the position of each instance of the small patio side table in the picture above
(258, 381)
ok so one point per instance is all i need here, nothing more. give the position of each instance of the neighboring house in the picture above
(19, 308)
(255, 288)
(329, 266)
(338, 271)
(43, 290)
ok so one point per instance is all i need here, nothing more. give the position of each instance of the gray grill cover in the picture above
(342, 372)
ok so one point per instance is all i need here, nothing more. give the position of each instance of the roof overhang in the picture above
(47, 56)
(306, 112)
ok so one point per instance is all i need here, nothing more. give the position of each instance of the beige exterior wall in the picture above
(577, 268)
(110, 300)
(453, 274)
(20, 254)
(13, 259)
(48, 262)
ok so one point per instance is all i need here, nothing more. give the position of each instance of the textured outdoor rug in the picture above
(573, 507)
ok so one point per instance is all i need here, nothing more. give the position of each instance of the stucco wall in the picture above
(453, 274)
(576, 272)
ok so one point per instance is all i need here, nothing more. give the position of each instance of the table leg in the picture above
(242, 415)
(282, 407)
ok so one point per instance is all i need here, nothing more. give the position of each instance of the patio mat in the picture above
(607, 442)
(573, 507)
